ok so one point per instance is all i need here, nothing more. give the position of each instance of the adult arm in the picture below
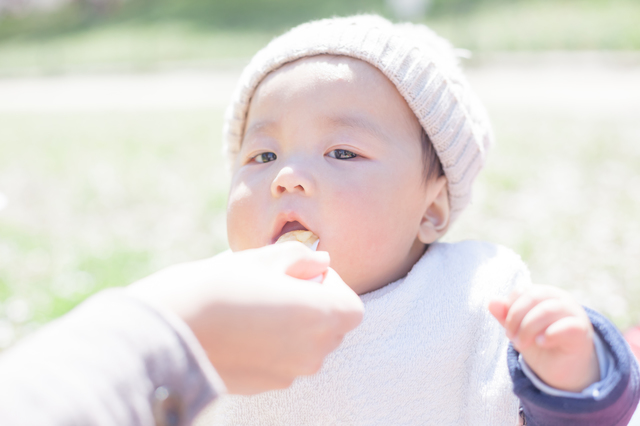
(612, 401)
(142, 356)
(112, 361)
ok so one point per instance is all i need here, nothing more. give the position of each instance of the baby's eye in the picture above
(342, 154)
(265, 157)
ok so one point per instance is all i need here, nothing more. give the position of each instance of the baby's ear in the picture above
(435, 220)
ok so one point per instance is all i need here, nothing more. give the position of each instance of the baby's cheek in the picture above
(376, 230)
(356, 241)
(361, 263)
(243, 222)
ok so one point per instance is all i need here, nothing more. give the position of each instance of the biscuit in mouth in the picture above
(307, 238)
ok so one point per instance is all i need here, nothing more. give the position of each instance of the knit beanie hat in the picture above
(424, 68)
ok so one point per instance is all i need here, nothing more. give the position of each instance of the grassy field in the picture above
(131, 48)
(100, 199)
(544, 25)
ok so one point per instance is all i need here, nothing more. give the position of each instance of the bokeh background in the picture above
(110, 138)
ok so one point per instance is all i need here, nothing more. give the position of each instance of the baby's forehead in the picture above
(332, 91)
(325, 68)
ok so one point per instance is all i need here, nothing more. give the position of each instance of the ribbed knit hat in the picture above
(424, 68)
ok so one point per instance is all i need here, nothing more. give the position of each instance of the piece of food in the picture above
(307, 238)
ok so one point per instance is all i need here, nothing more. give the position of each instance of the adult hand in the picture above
(258, 319)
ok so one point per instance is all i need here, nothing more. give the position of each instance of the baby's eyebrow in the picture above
(352, 121)
(358, 122)
(259, 126)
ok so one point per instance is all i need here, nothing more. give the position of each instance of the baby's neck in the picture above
(401, 271)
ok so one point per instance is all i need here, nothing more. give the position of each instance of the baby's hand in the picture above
(553, 333)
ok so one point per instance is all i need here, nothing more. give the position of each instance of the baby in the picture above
(366, 134)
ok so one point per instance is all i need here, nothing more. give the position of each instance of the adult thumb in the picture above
(308, 264)
(343, 299)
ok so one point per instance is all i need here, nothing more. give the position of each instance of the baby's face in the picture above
(331, 146)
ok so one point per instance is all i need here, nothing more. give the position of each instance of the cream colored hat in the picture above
(424, 68)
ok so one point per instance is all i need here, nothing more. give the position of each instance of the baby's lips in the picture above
(307, 238)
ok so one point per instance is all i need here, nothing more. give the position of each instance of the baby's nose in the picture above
(291, 180)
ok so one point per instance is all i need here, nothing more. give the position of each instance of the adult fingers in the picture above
(343, 300)
(280, 257)
(252, 382)
(308, 264)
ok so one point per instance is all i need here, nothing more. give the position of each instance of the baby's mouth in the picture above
(292, 226)
(295, 231)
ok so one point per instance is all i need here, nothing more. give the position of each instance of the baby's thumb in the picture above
(499, 308)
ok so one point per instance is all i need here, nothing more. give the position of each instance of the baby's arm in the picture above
(555, 336)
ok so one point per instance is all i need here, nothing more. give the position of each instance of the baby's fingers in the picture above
(567, 332)
(524, 303)
(499, 308)
(536, 322)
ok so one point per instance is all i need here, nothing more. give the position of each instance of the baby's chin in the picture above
(363, 287)
(371, 276)
(361, 280)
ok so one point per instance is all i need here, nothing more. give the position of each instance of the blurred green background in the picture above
(111, 114)
(145, 34)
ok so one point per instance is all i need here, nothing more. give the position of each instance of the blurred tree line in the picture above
(29, 17)
(41, 18)
(37, 32)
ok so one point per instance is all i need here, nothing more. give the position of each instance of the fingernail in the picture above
(317, 279)
(540, 340)
(323, 255)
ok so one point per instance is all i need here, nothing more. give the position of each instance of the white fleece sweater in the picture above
(427, 352)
